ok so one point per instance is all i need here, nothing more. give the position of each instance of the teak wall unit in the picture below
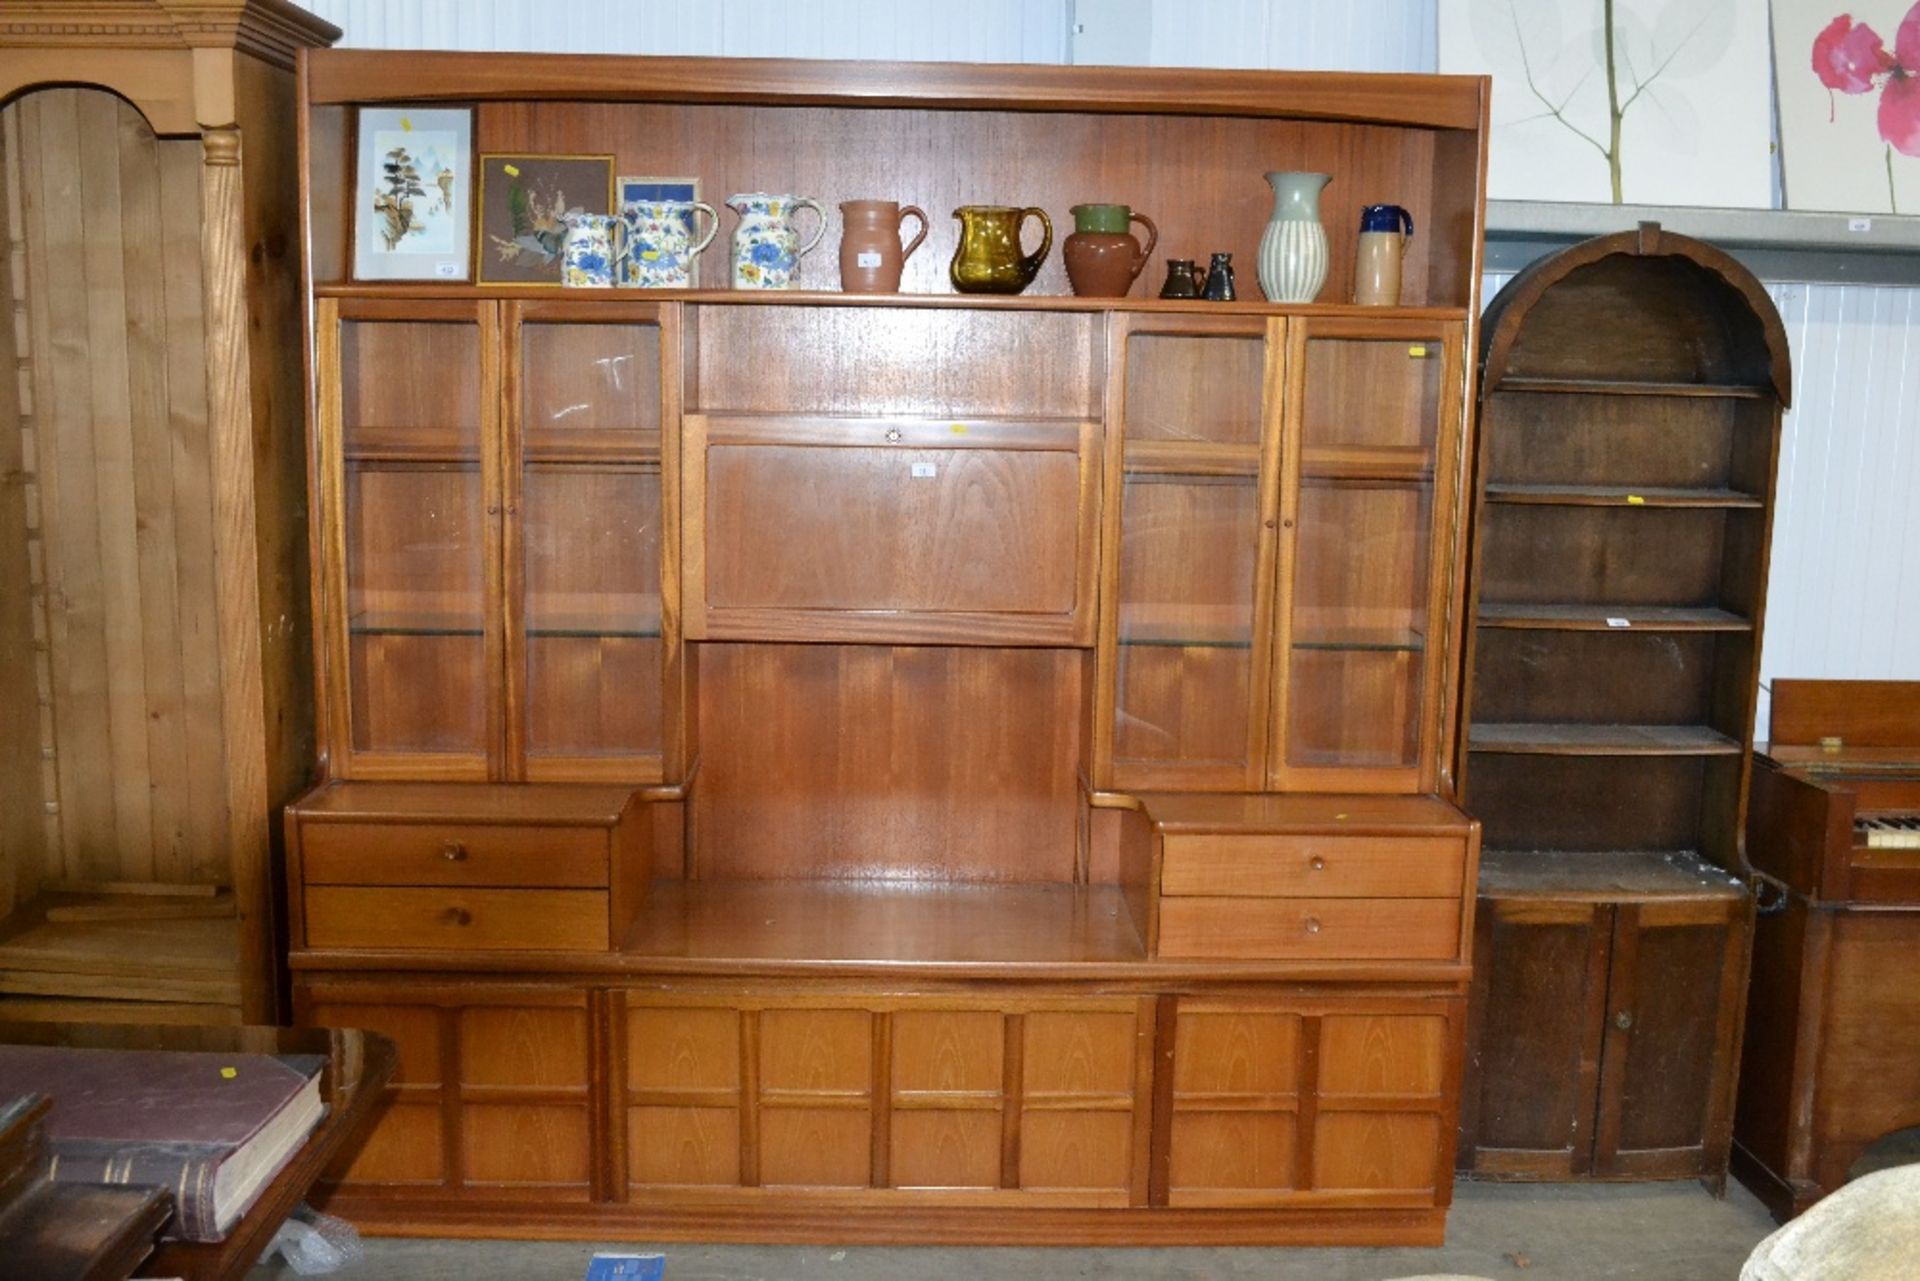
(908, 767)
(1631, 393)
(156, 701)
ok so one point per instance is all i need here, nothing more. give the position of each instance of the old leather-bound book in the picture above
(211, 1128)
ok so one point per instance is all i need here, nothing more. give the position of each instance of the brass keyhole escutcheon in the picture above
(893, 435)
(453, 852)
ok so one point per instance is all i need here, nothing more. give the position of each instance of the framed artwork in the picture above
(413, 194)
(524, 204)
(1845, 72)
(1650, 102)
(687, 189)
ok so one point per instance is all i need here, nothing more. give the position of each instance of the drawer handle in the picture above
(1317, 863)
(454, 852)
(1312, 925)
(457, 916)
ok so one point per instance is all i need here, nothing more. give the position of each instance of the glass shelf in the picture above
(1384, 640)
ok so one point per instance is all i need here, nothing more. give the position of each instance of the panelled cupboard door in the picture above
(409, 440)
(1189, 549)
(1678, 983)
(492, 1094)
(1371, 442)
(1287, 1103)
(585, 634)
(924, 1096)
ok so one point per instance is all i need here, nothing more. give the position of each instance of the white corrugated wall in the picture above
(1842, 598)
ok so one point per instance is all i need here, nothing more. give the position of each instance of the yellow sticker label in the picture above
(1339, 816)
(958, 429)
(406, 124)
(1418, 351)
(1634, 500)
(512, 171)
(228, 1073)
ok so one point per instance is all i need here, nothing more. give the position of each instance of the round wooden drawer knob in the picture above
(1317, 863)
(453, 852)
(457, 916)
(1312, 925)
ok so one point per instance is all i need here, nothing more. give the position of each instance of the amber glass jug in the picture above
(989, 260)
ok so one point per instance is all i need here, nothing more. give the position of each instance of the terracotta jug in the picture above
(1103, 258)
(870, 252)
(988, 260)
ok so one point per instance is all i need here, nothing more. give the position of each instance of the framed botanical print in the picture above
(628, 190)
(413, 194)
(525, 201)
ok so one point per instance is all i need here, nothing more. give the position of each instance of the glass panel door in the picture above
(1371, 412)
(412, 426)
(587, 542)
(1189, 651)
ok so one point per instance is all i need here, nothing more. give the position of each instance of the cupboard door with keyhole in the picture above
(1678, 982)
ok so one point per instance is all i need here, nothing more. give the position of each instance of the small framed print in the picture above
(413, 194)
(524, 205)
(629, 190)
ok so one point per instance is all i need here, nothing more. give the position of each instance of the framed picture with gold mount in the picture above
(525, 201)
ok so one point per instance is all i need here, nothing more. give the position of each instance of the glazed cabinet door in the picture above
(409, 556)
(1303, 1102)
(491, 1097)
(1677, 988)
(1529, 1104)
(924, 1096)
(1371, 423)
(586, 395)
(1190, 493)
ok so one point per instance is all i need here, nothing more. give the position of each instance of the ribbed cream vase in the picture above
(1293, 249)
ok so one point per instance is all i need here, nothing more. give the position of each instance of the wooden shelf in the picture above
(834, 298)
(1603, 875)
(1595, 618)
(1598, 387)
(1559, 738)
(913, 922)
(1621, 496)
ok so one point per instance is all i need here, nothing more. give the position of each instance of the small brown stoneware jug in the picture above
(1184, 280)
(870, 252)
(989, 260)
(1103, 258)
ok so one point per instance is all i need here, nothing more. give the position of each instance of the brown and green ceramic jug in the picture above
(1103, 258)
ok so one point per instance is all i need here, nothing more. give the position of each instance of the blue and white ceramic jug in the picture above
(594, 248)
(766, 244)
(662, 247)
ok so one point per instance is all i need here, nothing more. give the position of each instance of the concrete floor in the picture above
(1508, 1232)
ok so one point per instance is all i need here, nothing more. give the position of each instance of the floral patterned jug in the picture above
(766, 244)
(663, 244)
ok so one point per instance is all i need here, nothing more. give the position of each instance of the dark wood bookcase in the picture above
(1631, 395)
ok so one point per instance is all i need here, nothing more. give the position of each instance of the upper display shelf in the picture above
(367, 76)
(1027, 187)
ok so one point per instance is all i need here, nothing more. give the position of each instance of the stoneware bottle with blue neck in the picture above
(1293, 249)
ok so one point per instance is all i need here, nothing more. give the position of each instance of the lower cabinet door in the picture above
(1300, 1101)
(491, 1096)
(1677, 985)
(1533, 1060)
(922, 1095)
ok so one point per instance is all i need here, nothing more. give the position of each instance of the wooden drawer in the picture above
(1265, 864)
(460, 919)
(1347, 929)
(452, 854)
